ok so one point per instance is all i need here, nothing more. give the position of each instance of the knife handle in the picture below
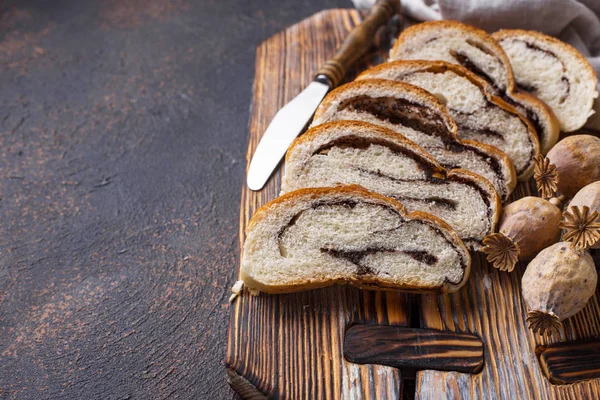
(358, 42)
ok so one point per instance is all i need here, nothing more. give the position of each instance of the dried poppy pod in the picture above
(582, 227)
(589, 196)
(561, 279)
(577, 162)
(526, 227)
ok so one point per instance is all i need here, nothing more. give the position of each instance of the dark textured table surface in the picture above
(123, 137)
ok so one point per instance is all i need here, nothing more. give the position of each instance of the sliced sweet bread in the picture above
(474, 49)
(381, 160)
(312, 238)
(554, 72)
(479, 115)
(419, 116)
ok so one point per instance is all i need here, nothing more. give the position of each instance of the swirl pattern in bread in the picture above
(479, 115)
(313, 238)
(420, 117)
(477, 51)
(383, 161)
(553, 71)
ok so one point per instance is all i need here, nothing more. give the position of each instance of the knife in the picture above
(291, 120)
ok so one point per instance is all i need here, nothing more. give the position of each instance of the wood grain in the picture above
(570, 362)
(413, 348)
(290, 346)
(490, 305)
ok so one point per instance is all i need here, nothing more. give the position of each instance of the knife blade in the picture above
(291, 120)
(281, 132)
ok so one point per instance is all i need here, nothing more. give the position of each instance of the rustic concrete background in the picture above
(123, 137)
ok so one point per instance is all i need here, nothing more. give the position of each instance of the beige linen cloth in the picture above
(574, 21)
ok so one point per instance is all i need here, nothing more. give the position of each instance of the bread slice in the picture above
(479, 115)
(419, 116)
(381, 160)
(554, 72)
(312, 238)
(474, 49)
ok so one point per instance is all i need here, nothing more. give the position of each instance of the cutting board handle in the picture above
(566, 363)
(413, 348)
(358, 42)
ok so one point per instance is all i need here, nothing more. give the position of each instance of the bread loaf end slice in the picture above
(554, 72)
(313, 238)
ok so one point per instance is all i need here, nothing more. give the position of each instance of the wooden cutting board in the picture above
(290, 346)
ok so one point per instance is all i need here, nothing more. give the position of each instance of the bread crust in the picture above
(552, 131)
(354, 192)
(436, 66)
(552, 128)
(430, 100)
(381, 131)
(492, 45)
(511, 179)
(376, 85)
